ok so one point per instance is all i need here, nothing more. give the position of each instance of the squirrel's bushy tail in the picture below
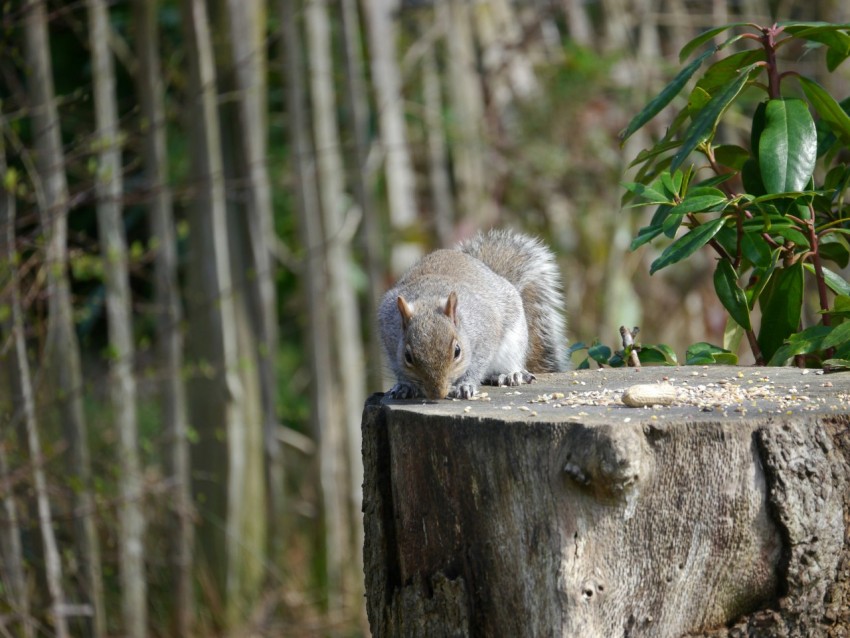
(530, 266)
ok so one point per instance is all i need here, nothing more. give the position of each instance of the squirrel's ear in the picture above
(451, 307)
(406, 311)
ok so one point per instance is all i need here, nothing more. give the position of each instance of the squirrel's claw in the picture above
(402, 390)
(511, 378)
(463, 391)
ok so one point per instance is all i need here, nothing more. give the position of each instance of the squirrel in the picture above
(486, 312)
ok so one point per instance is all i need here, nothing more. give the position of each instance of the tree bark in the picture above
(573, 515)
(349, 360)
(357, 101)
(389, 106)
(324, 414)
(247, 40)
(506, 63)
(17, 368)
(12, 570)
(119, 315)
(62, 355)
(438, 170)
(169, 315)
(579, 26)
(231, 515)
(467, 126)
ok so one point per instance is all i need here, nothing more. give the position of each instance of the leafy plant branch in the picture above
(773, 211)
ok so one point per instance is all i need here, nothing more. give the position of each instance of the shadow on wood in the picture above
(553, 509)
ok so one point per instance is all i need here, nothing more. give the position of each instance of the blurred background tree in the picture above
(202, 202)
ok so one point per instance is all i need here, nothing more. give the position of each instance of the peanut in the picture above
(646, 394)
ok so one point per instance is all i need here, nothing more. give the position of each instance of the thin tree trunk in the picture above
(216, 397)
(617, 25)
(122, 384)
(578, 22)
(23, 409)
(172, 390)
(246, 21)
(344, 307)
(467, 134)
(438, 171)
(509, 70)
(62, 356)
(12, 571)
(343, 301)
(389, 101)
(357, 102)
(322, 398)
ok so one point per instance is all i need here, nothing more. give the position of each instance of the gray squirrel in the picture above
(486, 312)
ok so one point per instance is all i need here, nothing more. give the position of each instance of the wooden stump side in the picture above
(482, 520)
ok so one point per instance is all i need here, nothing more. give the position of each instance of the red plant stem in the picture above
(770, 241)
(773, 78)
(816, 261)
(754, 346)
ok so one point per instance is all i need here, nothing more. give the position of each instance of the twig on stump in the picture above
(629, 345)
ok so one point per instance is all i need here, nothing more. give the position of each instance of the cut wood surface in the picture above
(553, 509)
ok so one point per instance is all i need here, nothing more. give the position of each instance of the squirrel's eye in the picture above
(408, 357)
(457, 351)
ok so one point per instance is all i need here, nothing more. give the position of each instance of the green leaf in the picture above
(704, 37)
(716, 180)
(781, 307)
(761, 277)
(732, 335)
(661, 147)
(654, 354)
(723, 71)
(731, 156)
(837, 363)
(841, 307)
(599, 353)
(575, 347)
(834, 58)
(706, 120)
(787, 146)
(808, 341)
(755, 249)
(645, 234)
(836, 283)
(687, 244)
(616, 361)
(751, 178)
(831, 35)
(663, 99)
(790, 233)
(826, 106)
(757, 127)
(703, 353)
(730, 294)
(835, 248)
(840, 334)
(649, 194)
(700, 202)
(671, 224)
(658, 353)
(672, 183)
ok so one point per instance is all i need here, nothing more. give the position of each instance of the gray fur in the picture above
(506, 284)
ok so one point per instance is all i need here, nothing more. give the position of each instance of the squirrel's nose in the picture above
(435, 393)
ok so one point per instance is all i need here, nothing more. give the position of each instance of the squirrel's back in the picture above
(530, 266)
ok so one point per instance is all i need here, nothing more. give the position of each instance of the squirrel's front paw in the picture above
(402, 390)
(463, 391)
(511, 378)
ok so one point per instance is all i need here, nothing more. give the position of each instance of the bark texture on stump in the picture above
(726, 514)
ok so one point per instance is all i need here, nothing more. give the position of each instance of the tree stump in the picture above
(554, 510)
